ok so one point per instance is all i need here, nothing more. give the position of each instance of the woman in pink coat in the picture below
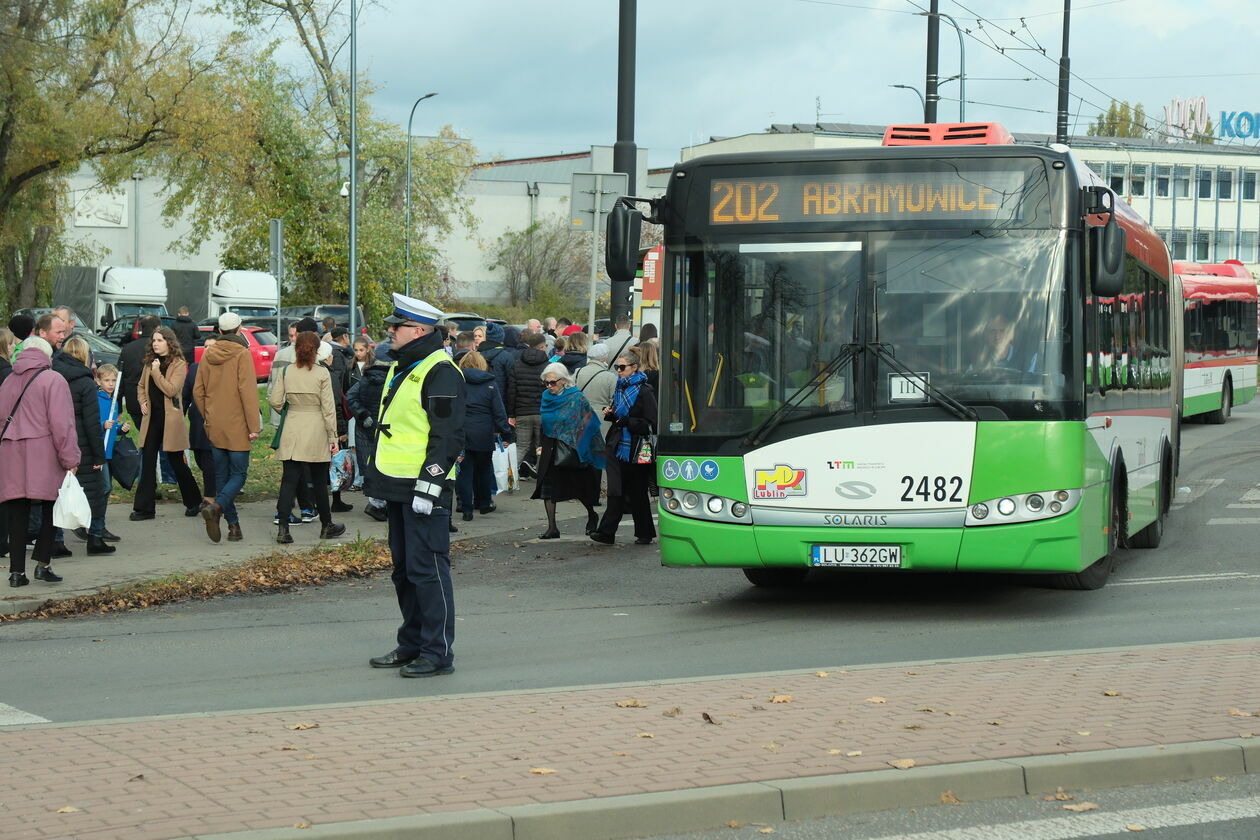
(37, 449)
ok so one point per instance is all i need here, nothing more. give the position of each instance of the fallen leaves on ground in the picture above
(853, 754)
(902, 763)
(994, 722)
(274, 572)
(302, 726)
(301, 825)
(632, 703)
(674, 712)
(765, 831)
(708, 718)
(1060, 796)
(69, 809)
(1132, 827)
(821, 674)
(1081, 806)
(781, 698)
(734, 824)
(1240, 713)
(876, 700)
(645, 735)
(541, 771)
(773, 747)
(1111, 694)
(949, 798)
(913, 726)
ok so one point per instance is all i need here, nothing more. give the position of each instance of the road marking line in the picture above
(1093, 825)
(1241, 520)
(1207, 578)
(1246, 506)
(10, 716)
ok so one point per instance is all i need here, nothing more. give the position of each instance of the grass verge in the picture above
(274, 572)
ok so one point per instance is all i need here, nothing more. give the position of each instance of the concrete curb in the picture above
(677, 811)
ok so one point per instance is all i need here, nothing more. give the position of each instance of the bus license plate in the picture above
(857, 556)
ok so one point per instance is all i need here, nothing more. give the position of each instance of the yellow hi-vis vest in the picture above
(403, 441)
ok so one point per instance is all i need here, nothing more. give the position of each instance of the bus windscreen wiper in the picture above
(962, 412)
(776, 417)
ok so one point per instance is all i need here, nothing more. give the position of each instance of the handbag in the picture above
(646, 451)
(564, 455)
(124, 464)
(284, 412)
(71, 509)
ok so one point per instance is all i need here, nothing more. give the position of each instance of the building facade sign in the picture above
(1240, 124)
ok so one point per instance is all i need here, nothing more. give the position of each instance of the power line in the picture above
(856, 6)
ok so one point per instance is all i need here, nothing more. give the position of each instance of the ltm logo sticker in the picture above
(779, 483)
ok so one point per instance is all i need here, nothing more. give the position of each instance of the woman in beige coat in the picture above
(309, 437)
(163, 428)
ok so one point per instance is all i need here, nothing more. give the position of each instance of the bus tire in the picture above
(776, 577)
(1095, 576)
(1152, 535)
(1221, 414)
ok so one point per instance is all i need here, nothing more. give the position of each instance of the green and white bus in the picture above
(1220, 337)
(905, 358)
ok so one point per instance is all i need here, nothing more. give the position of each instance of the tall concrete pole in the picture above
(1061, 132)
(930, 95)
(625, 155)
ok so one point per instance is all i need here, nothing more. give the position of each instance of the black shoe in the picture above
(393, 659)
(293, 520)
(377, 513)
(331, 530)
(137, 516)
(97, 545)
(59, 550)
(468, 516)
(601, 537)
(108, 536)
(309, 516)
(81, 533)
(490, 509)
(16, 579)
(341, 507)
(282, 535)
(643, 541)
(592, 523)
(195, 510)
(46, 574)
(421, 667)
(549, 535)
(454, 530)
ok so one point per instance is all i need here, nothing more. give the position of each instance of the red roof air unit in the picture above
(948, 134)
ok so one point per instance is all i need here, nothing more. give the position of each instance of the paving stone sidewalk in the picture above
(164, 778)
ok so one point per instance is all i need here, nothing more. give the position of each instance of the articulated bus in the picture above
(1220, 336)
(893, 358)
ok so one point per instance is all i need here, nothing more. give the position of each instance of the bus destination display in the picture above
(797, 199)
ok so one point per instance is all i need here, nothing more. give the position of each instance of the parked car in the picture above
(262, 346)
(127, 329)
(103, 352)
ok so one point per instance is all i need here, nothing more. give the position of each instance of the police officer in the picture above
(419, 435)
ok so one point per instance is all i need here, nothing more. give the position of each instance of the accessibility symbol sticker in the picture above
(670, 469)
(690, 470)
(709, 469)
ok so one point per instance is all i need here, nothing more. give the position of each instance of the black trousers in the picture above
(311, 476)
(475, 482)
(147, 488)
(205, 463)
(421, 546)
(634, 481)
(18, 514)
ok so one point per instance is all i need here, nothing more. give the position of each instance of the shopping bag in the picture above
(503, 459)
(71, 509)
(341, 470)
(124, 465)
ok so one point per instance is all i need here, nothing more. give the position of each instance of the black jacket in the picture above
(501, 361)
(197, 437)
(484, 413)
(573, 361)
(130, 367)
(442, 398)
(87, 409)
(525, 387)
(187, 333)
(5, 369)
(363, 399)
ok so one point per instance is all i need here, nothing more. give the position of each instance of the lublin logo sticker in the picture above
(778, 483)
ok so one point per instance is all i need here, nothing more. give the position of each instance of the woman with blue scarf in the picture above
(572, 455)
(633, 417)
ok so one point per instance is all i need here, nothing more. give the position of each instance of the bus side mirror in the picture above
(1106, 244)
(622, 255)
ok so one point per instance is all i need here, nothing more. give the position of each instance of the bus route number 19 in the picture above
(931, 488)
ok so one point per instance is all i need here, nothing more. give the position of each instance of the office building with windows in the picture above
(1203, 199)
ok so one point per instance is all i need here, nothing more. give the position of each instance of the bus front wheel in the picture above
(777, 577)
(1221, 414)
(1095, 576)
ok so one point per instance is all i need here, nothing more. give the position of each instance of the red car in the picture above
(262, 346)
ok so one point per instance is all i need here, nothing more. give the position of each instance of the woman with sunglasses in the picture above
(572, 454)
(633, 417)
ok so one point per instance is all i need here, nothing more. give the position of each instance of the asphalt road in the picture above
(571, 613)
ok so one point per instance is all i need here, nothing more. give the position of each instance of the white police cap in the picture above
(412, 310)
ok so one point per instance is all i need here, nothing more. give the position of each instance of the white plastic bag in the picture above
(506, 468)
(71, 509)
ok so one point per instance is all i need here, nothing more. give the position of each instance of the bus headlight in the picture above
(672, 504)
(715, 504)
(739, 509)
(704, 506)
(691, 501)
(667, 492)
(1031, 507)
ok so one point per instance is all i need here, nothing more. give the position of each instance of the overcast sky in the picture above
(534, 78)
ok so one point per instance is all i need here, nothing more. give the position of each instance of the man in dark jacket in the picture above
(420, 433)
(187, 333)
(91, 438)
(497, 356)
(524, 399)
(131, 364)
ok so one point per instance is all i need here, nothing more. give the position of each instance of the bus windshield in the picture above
(921, 317)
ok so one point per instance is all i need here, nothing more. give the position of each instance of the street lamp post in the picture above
(354, 166)
(962, 69)
(407, 199)
(916, 92)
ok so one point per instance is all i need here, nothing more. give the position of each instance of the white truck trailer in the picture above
(208, 294)
(101, 294)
